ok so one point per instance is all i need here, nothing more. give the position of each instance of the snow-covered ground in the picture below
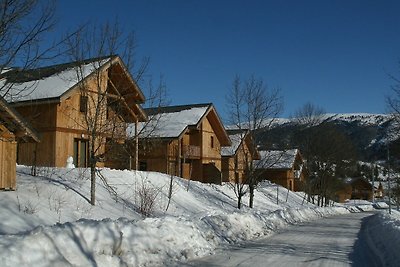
(49, 222)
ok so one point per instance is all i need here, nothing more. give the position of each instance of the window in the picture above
(80, 152)
(212, 141)
(83, 104)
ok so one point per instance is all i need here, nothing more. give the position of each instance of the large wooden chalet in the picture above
(285, 168)
(238, 156)
(12, 129)
(60, 102)
(185, 141)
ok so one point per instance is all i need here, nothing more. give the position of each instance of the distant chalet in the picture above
(184, 141)
(283, 167)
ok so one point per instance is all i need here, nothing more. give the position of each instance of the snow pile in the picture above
(382, 235)
(356, 205)
(381, 205)
(49, 222)
(105, 243)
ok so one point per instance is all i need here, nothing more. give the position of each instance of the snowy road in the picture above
(335, 241)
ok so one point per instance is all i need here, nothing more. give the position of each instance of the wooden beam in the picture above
(123, 100)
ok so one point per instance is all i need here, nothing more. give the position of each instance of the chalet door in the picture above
(80, 152)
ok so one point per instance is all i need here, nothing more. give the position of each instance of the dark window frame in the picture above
(83, 103)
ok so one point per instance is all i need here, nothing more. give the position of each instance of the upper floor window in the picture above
(83, 104)
(212, 141)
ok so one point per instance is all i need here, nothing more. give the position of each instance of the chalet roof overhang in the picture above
(126, 88)
(216, 124)
(14, 122)
(250, 145)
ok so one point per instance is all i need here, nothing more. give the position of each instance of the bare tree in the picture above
(139, 135)
(326, 150)
(237, 162)
(253, 106)
(24, 25)
(104, 103)
(309, 115)
(393, 100)
(306, 117)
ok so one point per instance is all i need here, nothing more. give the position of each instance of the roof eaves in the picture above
(28, 130)
(52, 100)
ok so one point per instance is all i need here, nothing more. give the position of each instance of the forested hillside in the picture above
(368, 134)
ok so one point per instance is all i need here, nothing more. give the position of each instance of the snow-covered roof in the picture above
(170, 122)
(48, 82)
(276, 159)
(236, 137)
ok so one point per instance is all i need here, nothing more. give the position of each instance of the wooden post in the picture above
(179, 159)
(136, 145)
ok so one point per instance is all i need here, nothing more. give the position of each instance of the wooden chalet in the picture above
(237, 156)
(12, 129)
(378, 190)
(285, 168)
(354, 188)
(60, 100)
(184, 141)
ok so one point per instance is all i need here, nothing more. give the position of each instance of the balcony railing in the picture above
(191, 152)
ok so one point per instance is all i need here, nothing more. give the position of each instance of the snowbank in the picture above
(382, 234)
(48, 221)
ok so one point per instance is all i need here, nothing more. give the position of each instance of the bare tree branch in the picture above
(252, 106)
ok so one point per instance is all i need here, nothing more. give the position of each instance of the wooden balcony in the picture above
(191, 152)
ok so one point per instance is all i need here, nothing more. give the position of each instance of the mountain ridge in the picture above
(372, 134)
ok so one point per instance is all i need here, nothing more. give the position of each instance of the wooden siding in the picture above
(44, 151)
(60, 124)
(41, 116)
(232, 172)
(289, 178)
(211, 153)
(8, 156)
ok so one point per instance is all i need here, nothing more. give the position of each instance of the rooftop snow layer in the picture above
(169, 124)
(236, 140)
(55, 81)
(276, 159)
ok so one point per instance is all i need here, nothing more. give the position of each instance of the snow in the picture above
(362, 118)
(324, 242)
(170, 124)
(381, 205)
(52, 86)
(236, 140)
(383, 235)
(49, 222)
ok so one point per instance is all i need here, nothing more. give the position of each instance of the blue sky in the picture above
(335, 54)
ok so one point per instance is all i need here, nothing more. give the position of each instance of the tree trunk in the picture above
(251, 198)
(92, 184)
(170, 191)
(239, 201)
